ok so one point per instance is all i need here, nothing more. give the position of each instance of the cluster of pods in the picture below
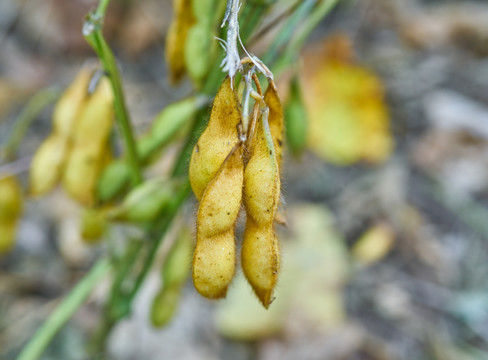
(234, 164)
(78, 147)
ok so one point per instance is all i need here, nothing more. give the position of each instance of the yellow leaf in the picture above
(348, 119)
(374, 244)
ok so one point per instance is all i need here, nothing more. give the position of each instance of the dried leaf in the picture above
(349, 120)
(374, 244)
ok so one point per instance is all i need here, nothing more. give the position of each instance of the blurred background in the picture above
(385, 252)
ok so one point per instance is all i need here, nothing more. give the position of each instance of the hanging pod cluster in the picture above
(78, 148)
(231, 165)
(10, 211)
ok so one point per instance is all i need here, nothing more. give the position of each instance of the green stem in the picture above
(118, 308)
(272, 25)
(296, 42)
(252, 20)
(322, 10)
(64, 311)
(92, 30)
(117, 305)
(37, 103)
(102, 8)
(95, 348)
(288, 29)
(215, 77)
(162, 229)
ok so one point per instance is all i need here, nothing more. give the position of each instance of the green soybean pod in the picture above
(164, 306)
(145, 202)
(177, 264)
(296, 120)
(115, 179)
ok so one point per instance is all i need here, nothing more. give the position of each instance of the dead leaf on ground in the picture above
(374, 244)
(349, 120)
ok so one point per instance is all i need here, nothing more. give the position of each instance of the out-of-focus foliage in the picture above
(374, 244)
(11, 204)
(296, 120)
(313, 274)
(348, 118)
(395, 271)
(175, 271)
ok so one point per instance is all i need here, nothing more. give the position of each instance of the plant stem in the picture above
(64, 311)
(28, 114)
(163, 228)
(322, 10)
(296, 42)
(287, 13)
(102, 8)
(92, 30)
(119, 308)
(120, 302)
(288, 29)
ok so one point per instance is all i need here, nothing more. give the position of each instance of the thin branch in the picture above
(92, 30)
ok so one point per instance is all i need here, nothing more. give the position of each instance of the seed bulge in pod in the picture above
(214, 256)
(261, 177)
(260, 254)
(96, 117)
(68, 107)
(217, 140)
(261, 260)
(221, 201)
(214, 262)
(47, 165)
(81, 172)
(90, 143)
